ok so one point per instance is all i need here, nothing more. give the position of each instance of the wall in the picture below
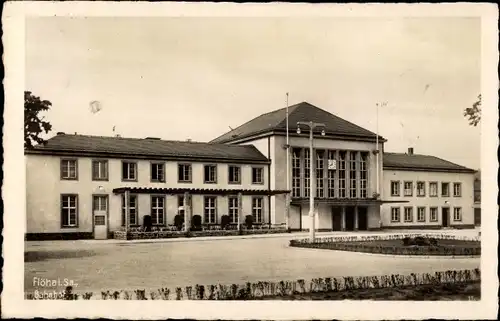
(465, 201)
(44, 188)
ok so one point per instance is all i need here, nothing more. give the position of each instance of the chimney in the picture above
(410, 151)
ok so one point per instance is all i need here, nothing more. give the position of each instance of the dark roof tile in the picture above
(420, 162)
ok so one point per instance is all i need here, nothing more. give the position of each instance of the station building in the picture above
(80, 186)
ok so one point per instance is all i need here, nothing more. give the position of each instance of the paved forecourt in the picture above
(95, 266)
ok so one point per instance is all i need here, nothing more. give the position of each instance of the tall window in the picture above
(307, 176)
(185, 173)
(234, 175)
(320, 183)
(457, 189)
(395, 214)
(445, 189)
(408, 187)
(395, 188)
(99, 170)
(363, 175)
(132, 205)
(257, 209)
(408, 214)
(158, 172)
(433, 189)
(457, 214)
(421, 189)
(233, 209)
(180, 205)
(69, 210)
(296, 173)
(433, 212)
(69, 169)
(210, 210)
(352, 175)
(342, 175)
(158, 210)
(257, 175)
(421, 214)
(129, 171)
(210, 174)
(331, 175)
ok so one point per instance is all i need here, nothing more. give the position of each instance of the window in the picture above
(408, 214)
(180, 205)
(69, 210)
(433, 189)
(210, 174)
(363, 175)
(69, 169)
(132, 205)
(331, 176)
(408, 188)
(233, 209)
(420, 189)
(433, 214)
(257, 209)
(320, 183)
(457, 189)
(99, 170)
(395, 215)
(352, 175)
(445, 189)
(395, 188)
(210, 210)
(129, 171)
(100, 203)
(158, 210)
(457, 214)
(342, 175)
(234, 175)
(296, 173)
(184, 173)
(257, 175)
(158, 172)
(307, 174)
(421, 214)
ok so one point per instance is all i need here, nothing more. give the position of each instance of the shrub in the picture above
(420, 241)
(178, 221)
(407, 241)
(249, 221)
(224, 221)
(433, 242)
(196, 223)
(147, 223)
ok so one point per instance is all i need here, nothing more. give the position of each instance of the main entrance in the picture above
(100, 214)
(336, 218)
(362, 218)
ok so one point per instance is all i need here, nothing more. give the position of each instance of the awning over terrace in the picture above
(343, 201)
(197, 191)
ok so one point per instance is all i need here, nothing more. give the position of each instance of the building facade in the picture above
(439, 194)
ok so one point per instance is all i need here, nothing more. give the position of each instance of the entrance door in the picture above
(100, 213)
(362, 218)
(445, 216)
(477, 216)
(336, 219)
(349, 218)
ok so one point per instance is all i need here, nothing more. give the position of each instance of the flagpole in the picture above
(287, 214)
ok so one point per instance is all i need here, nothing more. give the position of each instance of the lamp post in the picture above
(312, 177)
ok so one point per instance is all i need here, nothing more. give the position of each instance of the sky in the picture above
(181, 78)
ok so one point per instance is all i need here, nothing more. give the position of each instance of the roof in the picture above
(404, 161)
(198, 191)
(84, 145)
(276, 122)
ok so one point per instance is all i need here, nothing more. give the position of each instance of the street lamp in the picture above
(312, 177)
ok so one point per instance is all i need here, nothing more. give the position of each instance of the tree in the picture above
(34, 124)
(474, 112)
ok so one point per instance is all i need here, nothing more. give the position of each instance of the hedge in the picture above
(121, 235)
(258, 290)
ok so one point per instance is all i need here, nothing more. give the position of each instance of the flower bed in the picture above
(435, 244)
(139, 235)
(284, 289)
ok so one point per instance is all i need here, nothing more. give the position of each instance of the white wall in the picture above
(466, 201)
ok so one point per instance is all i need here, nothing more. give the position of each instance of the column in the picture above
(187, 212)
(127, 209)
(240, 209)
(356, 218)
(358, 174)
(302, 172)
(348, 174)
(336, 175)
(343, 218)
